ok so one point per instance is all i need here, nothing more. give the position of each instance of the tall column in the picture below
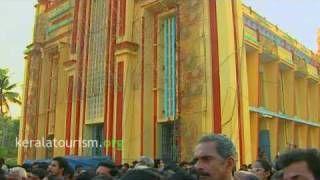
(32, 104)
(271, 76)
(127, 142)
(22, 128)
(253, 88)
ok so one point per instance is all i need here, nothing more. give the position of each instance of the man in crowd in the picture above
(144, 162)
(300, 164)
(58, 167)
(215, 157)
(106, 168)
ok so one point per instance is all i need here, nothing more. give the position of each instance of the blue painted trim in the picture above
(58, 11)
(169, 67)
(264, 111)
(166, 68)
(59, 25)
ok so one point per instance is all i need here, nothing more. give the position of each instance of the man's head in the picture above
(215, 157)
(57, 166)
(262, 169)
(300, 164)
(145, 162)
(105, 168)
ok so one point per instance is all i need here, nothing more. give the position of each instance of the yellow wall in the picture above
(240, 67)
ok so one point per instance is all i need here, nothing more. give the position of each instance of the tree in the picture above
(6, 92)
(9, 130)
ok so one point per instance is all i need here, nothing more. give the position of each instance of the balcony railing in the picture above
(269, 49)
(301, 66)
(285, 57)
(312, 72)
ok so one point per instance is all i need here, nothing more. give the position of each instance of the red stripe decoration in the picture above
(119, 113)
(105, 128)
(122, 17)
(215, 68)
(155, 84)
(85, 79)
(80, 71)
(238, 79)
(110, 106)
(49, 96)
(75, 27)
(69, 113)
(142, 86)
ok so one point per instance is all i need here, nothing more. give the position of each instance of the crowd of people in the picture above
(214, 159)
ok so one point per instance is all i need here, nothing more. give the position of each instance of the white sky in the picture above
(16, 17)
(299, 18)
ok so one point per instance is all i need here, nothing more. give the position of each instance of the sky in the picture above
(17, 19)
(299, 18)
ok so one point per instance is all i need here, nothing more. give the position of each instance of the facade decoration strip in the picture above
(251, 23)
(266, 112)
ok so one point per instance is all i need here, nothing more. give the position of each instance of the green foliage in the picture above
(3, 152)
(9, 130)
(7, 93)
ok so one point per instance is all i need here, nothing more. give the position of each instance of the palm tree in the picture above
(6, 92)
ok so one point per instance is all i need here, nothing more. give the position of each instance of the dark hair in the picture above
(142, 174)
(108, 164)
(265, 164)
(89, 174)
(62, 162)
(41, 165)
(224, 145)
(183, 163)
(111, 166)
(126, 165)
(26, 166)
(310, 156)
(156, 163)
(41, 173)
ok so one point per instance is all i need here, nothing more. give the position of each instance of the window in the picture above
(169, 146)
(96, 66)
(169, 66)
